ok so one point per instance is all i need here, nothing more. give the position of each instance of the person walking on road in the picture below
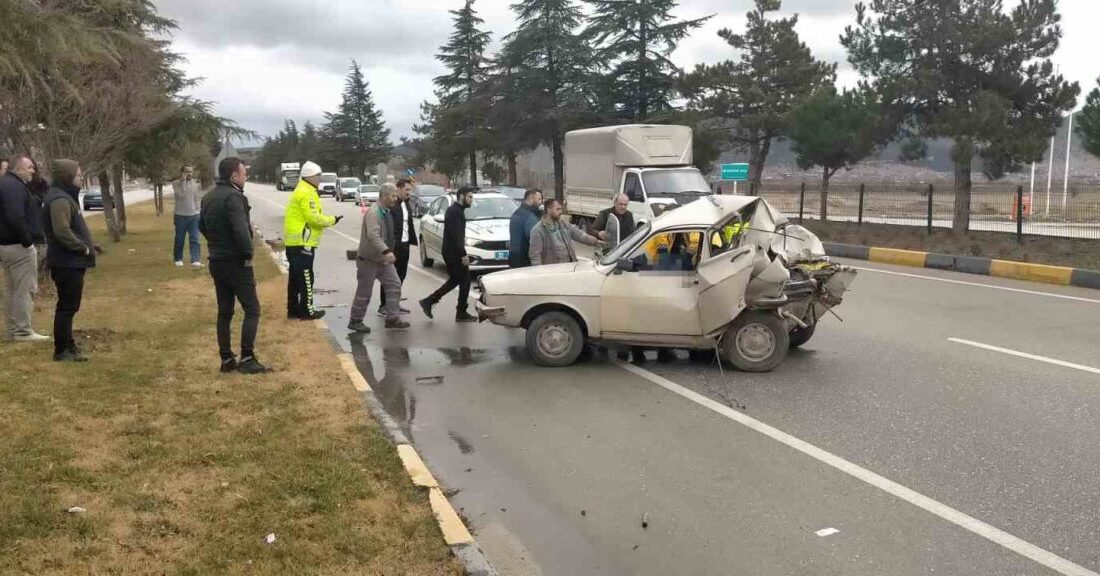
(519, 228)
(617, 221)
(70, 253)
(404, 235)
(454, 256)
(552, 240)
(18, 255)
(376, 259)
(303, 226)
(225, 222)
(188, 202)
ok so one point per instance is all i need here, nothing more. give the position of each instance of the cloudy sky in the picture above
(265, 60)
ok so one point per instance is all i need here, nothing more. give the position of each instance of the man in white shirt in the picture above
(404, 236)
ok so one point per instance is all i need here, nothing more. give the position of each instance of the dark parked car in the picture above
(423, 195)
(93, 199)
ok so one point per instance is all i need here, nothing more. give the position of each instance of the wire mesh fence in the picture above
(994, 207)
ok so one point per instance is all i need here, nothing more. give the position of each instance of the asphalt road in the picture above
(883, 447)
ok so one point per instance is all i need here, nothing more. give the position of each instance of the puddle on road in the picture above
(464, 445)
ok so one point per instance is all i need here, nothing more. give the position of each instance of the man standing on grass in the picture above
(188, 197)
(70, 253)
(404, 235)
(376, 260)
(454, 256)
(225, 222)
(17, 252)
(303, 226)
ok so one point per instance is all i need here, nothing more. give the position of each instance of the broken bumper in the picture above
(486, 312)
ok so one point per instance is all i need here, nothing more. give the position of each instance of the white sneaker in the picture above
(179, 263)
(32, 337)
(196, 264)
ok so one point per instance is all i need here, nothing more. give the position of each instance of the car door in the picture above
(658, 297)
(724, 274)
(433, 226)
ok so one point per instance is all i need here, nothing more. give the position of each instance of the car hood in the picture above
(568, 279)
(496, 229)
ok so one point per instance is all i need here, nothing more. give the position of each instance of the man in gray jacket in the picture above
(375, 260)
(552, 240)
(188, 200)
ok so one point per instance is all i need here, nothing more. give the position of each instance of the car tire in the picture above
(756, 341)
(555, 339)
(800, 335)
(425, 262)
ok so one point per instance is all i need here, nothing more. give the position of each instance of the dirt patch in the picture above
(1036, 249)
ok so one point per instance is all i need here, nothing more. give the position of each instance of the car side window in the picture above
(632, 187)
(676, 251)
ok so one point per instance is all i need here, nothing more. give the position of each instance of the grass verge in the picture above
(183, 470)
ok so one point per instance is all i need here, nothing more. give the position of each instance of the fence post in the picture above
(862, 186)
(1019, 214)
(801, 201)
(930, 189)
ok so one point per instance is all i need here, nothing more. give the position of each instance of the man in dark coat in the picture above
(454, 256)
(623, 221)
(519, 228)
(18, 255)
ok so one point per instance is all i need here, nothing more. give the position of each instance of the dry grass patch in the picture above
(183, 470)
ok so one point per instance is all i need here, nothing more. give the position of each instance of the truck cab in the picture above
(653, 191)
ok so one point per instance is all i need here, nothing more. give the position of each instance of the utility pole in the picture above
(1065, 180)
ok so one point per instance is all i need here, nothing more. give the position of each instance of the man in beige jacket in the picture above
(375, 260)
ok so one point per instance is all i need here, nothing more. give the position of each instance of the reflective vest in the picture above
(305, 221)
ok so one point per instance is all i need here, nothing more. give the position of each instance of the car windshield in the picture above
(513, 193)
(350, 182)
(626, 245)
(672, 182)
(328, 177)
(490, 208)
(92, 192)
(369, 189)
(428, 191)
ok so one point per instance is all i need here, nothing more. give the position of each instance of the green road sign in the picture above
(735, 172)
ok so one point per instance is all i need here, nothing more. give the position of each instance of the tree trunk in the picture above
(473, 168)
(758, 155)
(557, 145)
(513, 177)
(825, 194)
(158, 198)
(120, 198)
(109, 206)
(962, 154)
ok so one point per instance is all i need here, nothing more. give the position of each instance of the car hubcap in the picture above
(554, 340)
(755, 342)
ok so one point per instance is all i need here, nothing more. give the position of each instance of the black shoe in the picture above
(291, 315)
(358, 327)
(317, 315)
(69, 355)
(426, 306)
(229, 365)
(396, 324)
(465, 316)
(251, 365)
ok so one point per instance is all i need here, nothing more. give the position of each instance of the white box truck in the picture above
(288, 176)
(651, 164)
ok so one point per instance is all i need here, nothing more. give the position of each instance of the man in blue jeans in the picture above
(188, 195)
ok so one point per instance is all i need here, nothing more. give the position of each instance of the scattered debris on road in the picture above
(269, 539)
(826, 532)
(645, 520)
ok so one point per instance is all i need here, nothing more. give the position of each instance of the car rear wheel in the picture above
(555, 339)
(425, 262)
(756, 341)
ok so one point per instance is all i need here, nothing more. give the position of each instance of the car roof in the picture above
(706, 211)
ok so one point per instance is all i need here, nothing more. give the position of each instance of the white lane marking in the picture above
(826, 532)
(1035, 357)
(979, 284)
(991, 533)
(355, 241)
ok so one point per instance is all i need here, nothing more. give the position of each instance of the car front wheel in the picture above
(756, 341)
(555, 339)
(425, 262)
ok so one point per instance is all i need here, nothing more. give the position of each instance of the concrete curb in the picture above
(454, 530)
(1047, 274)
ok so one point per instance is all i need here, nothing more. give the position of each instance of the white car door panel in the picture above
(722, 283)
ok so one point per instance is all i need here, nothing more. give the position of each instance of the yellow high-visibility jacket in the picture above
(305, 221)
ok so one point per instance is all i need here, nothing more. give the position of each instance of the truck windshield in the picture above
(291, 173)
(672, 182)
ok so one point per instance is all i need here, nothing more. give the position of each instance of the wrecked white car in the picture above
(725, 273)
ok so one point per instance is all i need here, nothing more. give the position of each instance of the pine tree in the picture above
(1088, 122)
(356, 132)
(462, 109)
(636, 38)
(754, 96)
(968, 70)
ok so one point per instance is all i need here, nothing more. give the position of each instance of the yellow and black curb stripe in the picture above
(454, 530)
(1061, 275)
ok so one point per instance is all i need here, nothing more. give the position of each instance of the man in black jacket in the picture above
(454, 256)
(624, 219)
(18, 256)
(225, 222)
(404, 235)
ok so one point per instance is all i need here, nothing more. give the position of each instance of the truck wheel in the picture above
(756, 341)
(800, 335)
(555, 339)
(425, 262)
